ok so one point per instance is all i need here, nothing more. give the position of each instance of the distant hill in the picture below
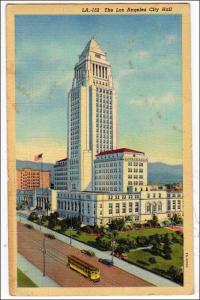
(20, 164)
(163, 173)
(157, 172)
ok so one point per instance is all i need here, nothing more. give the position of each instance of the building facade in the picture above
(29, 179)
(92, 115)
(38, 198)
(101, 208)
(61, 174)
(119, 170)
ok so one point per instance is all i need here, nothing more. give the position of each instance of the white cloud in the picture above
(143, 55)
(38, 88)
(170, 39)
(164, 99)
(122, 73)
(52, 149)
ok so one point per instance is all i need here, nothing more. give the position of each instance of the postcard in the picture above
(99, 149)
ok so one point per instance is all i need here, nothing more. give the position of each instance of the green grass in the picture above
(161, 263)
(23, 280)
(83, 237)
(143, 232)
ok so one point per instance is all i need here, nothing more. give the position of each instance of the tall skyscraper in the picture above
(92, 115)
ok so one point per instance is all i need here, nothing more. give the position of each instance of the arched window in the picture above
(154, 206)
(160, 206)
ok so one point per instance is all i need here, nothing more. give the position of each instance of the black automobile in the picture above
(50, 236)
(105, 261)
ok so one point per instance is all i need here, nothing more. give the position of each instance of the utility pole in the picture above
(71, 230)
(44, 253)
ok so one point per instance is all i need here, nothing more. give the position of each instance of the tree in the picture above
(142, 241)
(152, 260)
(165, 239)
(176, 220)
(121, 249)
(154, 221)
(167, 251)
(103, 243)
(52, 220)
(117, 224)
(176, 274)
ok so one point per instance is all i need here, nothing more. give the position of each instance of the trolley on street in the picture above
(84, 268)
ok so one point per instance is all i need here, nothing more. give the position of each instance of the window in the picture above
(179, 204)
(124, 207)
(154, 206)
(117, 208)
(130, 207)
(159, 206)
(168, 205)
(110, 208)
(174, 205)
(148, 208)
(136, 206)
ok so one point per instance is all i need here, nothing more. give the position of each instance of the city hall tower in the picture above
(92, 115)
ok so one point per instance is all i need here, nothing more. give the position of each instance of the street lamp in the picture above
(70, 241)
(40, 216)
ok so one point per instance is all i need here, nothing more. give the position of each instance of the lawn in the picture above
(23, 280)
(161, 263)
(82, 237)
(143, 232)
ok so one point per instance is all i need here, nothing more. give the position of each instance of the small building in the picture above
(29, 179)
(61, 174)
(119, 170)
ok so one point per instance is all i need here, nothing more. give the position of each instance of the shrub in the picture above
(168, 256)
(152, 260)
(176, 274)
(33, 216)
(87, 229)
(142, 241)
(117, 224)
(141, 262)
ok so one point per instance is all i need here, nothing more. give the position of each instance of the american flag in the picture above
(38, 157)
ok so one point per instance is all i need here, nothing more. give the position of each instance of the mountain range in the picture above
(158, 173)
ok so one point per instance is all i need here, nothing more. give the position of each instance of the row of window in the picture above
(100, 71)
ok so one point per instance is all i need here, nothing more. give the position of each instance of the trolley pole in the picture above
(44, 253)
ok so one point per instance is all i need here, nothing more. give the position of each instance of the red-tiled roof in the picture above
(118, 151)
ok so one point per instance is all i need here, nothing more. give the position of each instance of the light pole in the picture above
(40, 217)
(44, 253)
(70, 241)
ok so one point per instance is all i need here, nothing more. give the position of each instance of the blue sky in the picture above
(145, 54)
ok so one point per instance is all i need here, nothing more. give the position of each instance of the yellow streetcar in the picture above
(84, 268)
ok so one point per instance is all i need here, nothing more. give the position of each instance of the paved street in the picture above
(132, 269)
(30, 245)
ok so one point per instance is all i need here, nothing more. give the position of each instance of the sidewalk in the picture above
(33, 273)
(132, 269)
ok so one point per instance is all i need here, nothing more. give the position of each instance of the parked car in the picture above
(88, 252)
(105, 261)
(50, 236)
(29, 226)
